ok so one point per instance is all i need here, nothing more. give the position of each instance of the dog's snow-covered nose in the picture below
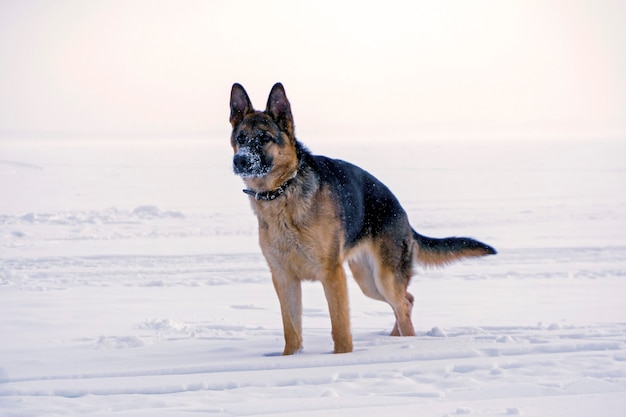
(248, 163)
(241, 163)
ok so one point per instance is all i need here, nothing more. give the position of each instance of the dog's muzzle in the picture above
(248, 163)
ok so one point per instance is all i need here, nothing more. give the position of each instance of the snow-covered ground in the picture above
(131, 284)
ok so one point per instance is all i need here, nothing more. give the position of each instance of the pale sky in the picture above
(391, 68)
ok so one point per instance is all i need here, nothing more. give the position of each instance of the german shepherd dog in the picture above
(315, 213)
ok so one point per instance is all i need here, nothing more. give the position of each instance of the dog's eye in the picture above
(241, 139)
(264, 138)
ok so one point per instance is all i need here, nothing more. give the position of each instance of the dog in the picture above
(316, 213)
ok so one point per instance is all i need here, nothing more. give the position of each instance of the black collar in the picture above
(270, 195)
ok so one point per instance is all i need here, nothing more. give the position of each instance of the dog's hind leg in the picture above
(364, 274)
(336, 291)
(399, 299)
(410, 300)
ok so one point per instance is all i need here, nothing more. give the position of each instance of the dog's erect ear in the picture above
(240, 104)
(279, 109)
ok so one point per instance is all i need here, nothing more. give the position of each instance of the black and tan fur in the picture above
(316, 213)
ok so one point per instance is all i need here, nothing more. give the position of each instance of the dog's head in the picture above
(263, 142)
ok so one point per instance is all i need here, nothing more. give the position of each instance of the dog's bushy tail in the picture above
(436, 252)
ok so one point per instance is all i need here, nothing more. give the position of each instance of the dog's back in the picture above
(368, 208)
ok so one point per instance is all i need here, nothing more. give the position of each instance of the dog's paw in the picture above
(291, 351)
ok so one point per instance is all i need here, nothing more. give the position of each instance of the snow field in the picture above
(131, 284)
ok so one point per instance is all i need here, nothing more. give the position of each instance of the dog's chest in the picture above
(286, 235)
(302, 240)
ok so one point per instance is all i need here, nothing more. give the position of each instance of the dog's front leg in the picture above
(336, 291)
(289, 291)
